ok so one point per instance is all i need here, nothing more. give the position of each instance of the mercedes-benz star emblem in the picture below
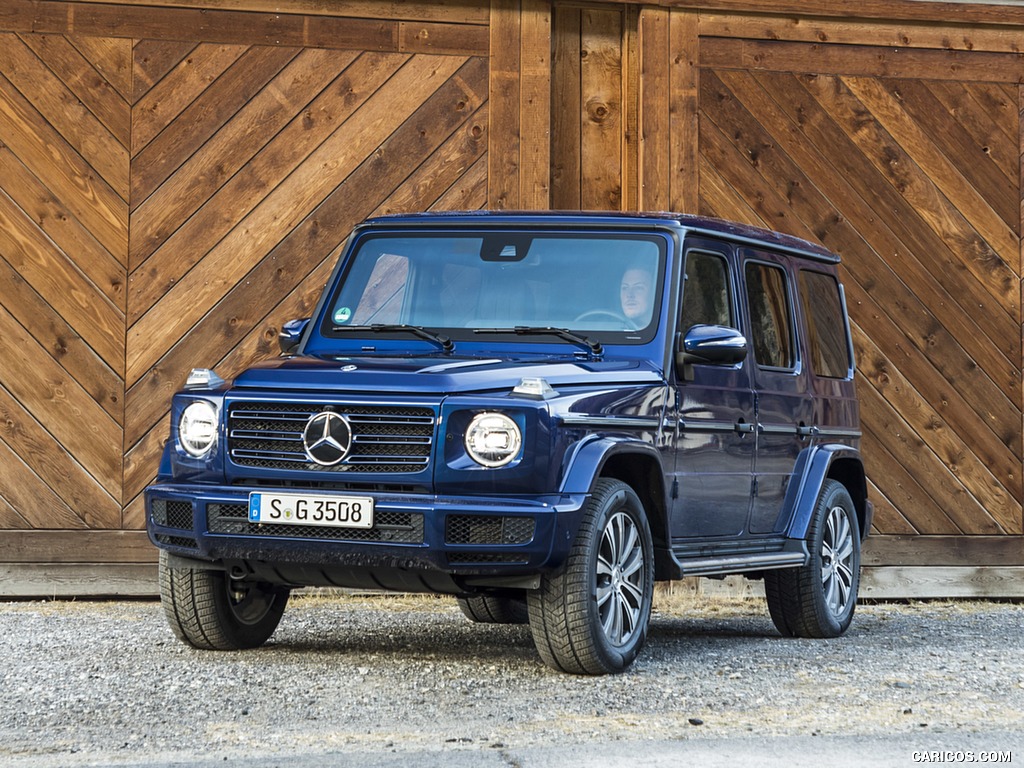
(327, 438)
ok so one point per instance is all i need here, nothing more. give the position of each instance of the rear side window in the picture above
(826, 328)
(770, 325)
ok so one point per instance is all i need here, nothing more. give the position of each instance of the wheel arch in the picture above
(828, 462)
(635, 463)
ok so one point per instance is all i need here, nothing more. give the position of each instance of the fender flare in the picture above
(584, 461)
(812, 469)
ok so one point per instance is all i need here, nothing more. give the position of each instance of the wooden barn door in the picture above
(64, 191)
(167, 204)
(914, 180)
(250, 166)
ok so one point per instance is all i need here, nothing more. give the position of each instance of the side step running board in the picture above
(760, 561)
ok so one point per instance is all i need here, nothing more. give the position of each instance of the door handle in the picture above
(804, 431)
(743, 428)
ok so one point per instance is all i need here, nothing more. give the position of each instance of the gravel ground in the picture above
(402, 677)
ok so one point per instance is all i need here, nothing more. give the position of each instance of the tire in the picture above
(590, 617)
(211, 611)
(819, 599)
(494, 609)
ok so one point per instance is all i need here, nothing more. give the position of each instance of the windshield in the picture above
(603, 285)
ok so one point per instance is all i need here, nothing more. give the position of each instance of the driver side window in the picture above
(706, 293)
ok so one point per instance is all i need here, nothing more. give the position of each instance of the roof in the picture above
(733, 231)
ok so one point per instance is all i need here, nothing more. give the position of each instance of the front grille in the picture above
(488, 529)
(388, 527)
(384, 438)
(173, 514)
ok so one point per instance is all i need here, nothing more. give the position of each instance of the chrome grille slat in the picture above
(385, 439)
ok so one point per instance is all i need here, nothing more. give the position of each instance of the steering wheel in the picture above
(593, 314)
(622, 320)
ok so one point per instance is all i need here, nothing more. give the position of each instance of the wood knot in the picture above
(598, 111)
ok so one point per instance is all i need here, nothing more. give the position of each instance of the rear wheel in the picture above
(494, 609)
(819, 599)
(591, 616)
(210, 610)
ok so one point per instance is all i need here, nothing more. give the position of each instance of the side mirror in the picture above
(710, 345)
(291, 334)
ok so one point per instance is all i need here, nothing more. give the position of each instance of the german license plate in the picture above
(300, 509)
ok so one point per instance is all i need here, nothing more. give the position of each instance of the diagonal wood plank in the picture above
(204, 116)
(63, 170)
(152, 60)
(933, 293)
(57, 223)
(290, 148)
(28, 502)
(54, 468)
(921, 193)
(879, 201)
(90, 81)
(982, 185)
(111, 57)
(65, 113)
(285, 98)
(56, 278)
(61, 405)
(279, 213)
(61, 342)
(173, 92)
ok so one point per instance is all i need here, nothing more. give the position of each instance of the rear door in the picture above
(783, 410)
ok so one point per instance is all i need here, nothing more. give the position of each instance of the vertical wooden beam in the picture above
(602, 116)
(630, 108)
(519, 154)
(566, 110)
(504, 106)
(654, 97)
(684, 36)
(535, 105)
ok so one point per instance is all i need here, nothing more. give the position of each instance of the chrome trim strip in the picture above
(839, 432)
(777, 429)
(623, 422)
(706, 425)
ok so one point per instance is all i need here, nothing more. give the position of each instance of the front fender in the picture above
(583, 464)
(813, 467)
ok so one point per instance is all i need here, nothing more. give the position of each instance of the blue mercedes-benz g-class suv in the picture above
(540, 414)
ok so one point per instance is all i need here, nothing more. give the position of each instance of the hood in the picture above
(434, 375)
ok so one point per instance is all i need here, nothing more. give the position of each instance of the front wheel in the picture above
(818, 599)
(590, 617)
(212, 611)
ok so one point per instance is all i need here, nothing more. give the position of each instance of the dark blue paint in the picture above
(709, 431)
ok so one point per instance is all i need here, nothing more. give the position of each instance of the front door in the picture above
(715, 438)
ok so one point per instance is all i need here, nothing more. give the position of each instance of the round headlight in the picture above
(493, 439)
(197, 429)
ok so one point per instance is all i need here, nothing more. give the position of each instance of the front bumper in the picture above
(417, 543)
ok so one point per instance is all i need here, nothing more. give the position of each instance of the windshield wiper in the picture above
(591, 345)
(446, 344)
